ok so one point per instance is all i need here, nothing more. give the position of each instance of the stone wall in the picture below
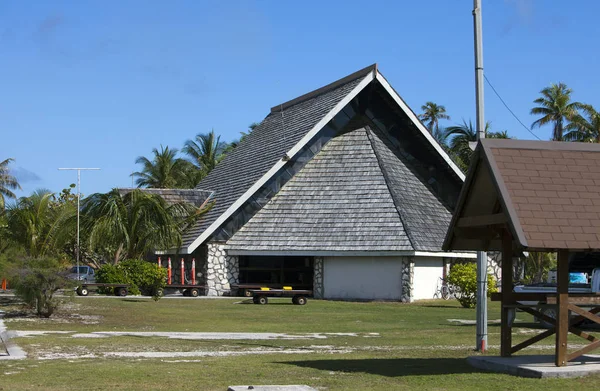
(221, 270)
(408, 275)
(318, 287)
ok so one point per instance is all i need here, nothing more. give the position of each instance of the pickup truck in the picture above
(578, 283)
(86, 274)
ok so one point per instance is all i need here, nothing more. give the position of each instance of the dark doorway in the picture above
(276, 271)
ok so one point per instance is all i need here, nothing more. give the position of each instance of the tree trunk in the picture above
(118, 254)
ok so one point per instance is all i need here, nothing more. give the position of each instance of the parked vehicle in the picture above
(86, 274)
(579, 282)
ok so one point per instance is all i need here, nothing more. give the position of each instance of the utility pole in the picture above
(482, 334)
(79, 169)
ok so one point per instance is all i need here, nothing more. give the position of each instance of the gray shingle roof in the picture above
(265, 146)
(195, 197)
(358, 194)
(425, 217)
(339, 201)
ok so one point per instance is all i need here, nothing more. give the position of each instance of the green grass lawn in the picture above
(396, 347)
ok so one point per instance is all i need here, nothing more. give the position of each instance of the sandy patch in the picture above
(215, 336)
(35, 333)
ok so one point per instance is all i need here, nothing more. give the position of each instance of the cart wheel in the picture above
(263, 300)
(160, 293)
(193, 292)
(185, 292)
(255, 299)
(82, 291)
(246, 293)
(121, 291)
(300, 300)
(295, 299)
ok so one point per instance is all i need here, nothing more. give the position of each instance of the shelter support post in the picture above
(507, 288)
(562, 308)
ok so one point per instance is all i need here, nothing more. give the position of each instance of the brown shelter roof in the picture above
(548, 193)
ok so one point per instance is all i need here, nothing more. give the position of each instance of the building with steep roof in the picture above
(341, 190)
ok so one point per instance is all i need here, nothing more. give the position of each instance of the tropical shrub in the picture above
(464, 277)
(143, 277)
(36, 280)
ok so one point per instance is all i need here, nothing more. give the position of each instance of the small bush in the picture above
(37, 280)
(143, 277)
(113, 274)
(464, 277)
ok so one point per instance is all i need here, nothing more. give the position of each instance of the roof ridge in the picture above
(324, 89)
(370, 135)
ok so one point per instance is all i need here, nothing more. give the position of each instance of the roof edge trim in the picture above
(369, 77)
(413, 117)
(357, 253)
(322, 90)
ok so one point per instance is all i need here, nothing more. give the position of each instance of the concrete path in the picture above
(8, 350)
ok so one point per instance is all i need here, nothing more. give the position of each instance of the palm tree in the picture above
(234, 144)
(39, 224)
(555, 107)
(582, 128)
(461, 139)
(131, 225)
(432, 113)
(164, 171)
(205, 151)
(7, 183)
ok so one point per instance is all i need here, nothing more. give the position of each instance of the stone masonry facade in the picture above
(318, 288)
(408, 276)
(221, 270)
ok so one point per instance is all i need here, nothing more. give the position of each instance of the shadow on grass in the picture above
(448, 307)
(392, 367)
(135, 300)
(283, 302)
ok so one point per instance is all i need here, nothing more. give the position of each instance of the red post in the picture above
(4, 284)
(159, 263)
(169, 272)
(182, 272)
(193, 271)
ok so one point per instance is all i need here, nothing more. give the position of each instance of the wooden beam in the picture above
(507, 290)
(532, 340)
(562, 308)
(584, 313)
(475, 233)
(514, 297)
(482, 220)
(579, 299)
(578, 319)
(584, 350)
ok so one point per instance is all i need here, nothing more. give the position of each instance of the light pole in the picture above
(482, 334)
(79, 169)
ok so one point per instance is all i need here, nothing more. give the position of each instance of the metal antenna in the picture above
(79, 169)
(482, 334)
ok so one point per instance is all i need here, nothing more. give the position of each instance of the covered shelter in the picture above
(534, 196)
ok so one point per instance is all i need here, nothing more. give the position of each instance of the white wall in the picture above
(362, 278)
(428, 272)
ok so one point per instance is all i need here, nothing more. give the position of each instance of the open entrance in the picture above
(275, 272)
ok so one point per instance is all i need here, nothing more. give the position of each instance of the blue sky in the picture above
(99, 83)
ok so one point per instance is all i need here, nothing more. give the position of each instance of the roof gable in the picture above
(545, 191)
(279, 138)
